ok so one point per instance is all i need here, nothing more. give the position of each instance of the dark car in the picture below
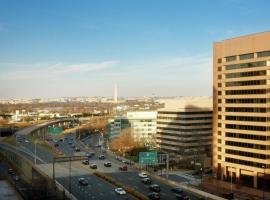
(93, 166)
(154, 196)
(177, 190)
(146, 180)
(107, 164)
(11, 171)
(92, 153)
(70, 142)
(77, 149)
(182, 197)
(85, 162)
(123, 168)
(73, 146)
(83, 181)
(155, 188)
(101, 157)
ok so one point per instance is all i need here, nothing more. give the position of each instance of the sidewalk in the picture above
(241, 192)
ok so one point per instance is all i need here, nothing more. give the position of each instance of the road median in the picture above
(116, 183)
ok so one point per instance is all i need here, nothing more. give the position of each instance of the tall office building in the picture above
(184, 128)
(241, 121)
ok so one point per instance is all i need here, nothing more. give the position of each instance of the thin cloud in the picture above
(3, 28)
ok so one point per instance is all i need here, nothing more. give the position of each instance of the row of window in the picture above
(184, 119)
(179, 145)
(258, 100)
(248, 145)
(245, 92)
(184, 135)
(247, 127)
(247, 136)
(246, 74)
(246, 65)
(185, 124)
(185, 113)
(247, 109)
(186, 141)
(245, 162)
(247, 118)
(245, 83)
(185, 130)
(248, 56)
(247, 154)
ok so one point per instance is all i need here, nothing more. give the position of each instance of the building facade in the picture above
(143, 125)
(241, 121)
(184, 128)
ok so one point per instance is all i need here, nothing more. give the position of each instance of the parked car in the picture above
(77, 149)
(123, 168)
(155, 188)
(154, 196)
(182, 197)
(101, 157)
(107, 164)
(118, 158)
(177, 190)
(83, 181)
(93, 166)
(85, 162)
(146, 180)
(120, 191)
(143, 175)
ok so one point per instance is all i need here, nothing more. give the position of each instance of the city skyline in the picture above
(59, 48)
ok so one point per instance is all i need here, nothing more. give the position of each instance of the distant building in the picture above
(116, 125)
(184, 128)
(143, 125)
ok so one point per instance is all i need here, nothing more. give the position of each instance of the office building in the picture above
(241, 121)
(184, 128)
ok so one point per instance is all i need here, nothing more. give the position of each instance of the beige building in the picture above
(241, 121)
(184, 128)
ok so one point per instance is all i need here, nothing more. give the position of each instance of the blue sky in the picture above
(58, 48)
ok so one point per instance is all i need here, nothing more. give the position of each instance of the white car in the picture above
(143, 175)
(120, 191)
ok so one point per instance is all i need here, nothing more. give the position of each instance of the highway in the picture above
(97, 188)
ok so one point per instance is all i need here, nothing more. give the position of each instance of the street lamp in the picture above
(263, 180)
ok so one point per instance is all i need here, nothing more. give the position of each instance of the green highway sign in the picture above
(149, 157)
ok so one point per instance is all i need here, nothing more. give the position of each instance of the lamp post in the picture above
(263, 180)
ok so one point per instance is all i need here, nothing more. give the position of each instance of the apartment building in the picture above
(184, 128)
(241, 121)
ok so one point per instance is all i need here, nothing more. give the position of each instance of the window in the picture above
(246, 109)
(219, 92)
(247, 127)
(219, 84)
(219, 76)
(230, 58)
(219, 125)
(219, 68)
(247, 145)
(244, 162)
(247, 118)
(257, 100)
(245, 92)
(219, 116)
(219, 100)
(219, 109)
(246, 65)
(219, 157)
(219, 60)
(246, 74)
(219, 148)
(263, 54)
(247, 136)
(246, 56)
(219, 132)
(219, 141)
(245, 83)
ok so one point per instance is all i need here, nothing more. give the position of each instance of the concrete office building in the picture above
(143, 125)
(184, 128)
(241, 121)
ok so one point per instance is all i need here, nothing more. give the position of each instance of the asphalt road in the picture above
(97, 188)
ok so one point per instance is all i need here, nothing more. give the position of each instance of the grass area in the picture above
(10, 141)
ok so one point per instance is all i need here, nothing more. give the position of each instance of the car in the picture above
(70, 142)
(123, 168)
(120, 191)
(26, 141)
(92, 153)
(107, 164)
(177, 190)
(73, 146)
(93, 166)
(154, 195)
(101, 157)
(11, 171)
(16, 178)
(56, 144)
(77, 149)
(155, 188)
(143, 175)
(83, 181)
(85, 162)
(147, 180)
(118, 158)
(182, 197)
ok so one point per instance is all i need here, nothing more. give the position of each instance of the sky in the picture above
(66, 48)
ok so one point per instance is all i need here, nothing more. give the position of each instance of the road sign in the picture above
(149, 157)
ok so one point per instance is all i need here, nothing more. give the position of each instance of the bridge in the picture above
(42, 129)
